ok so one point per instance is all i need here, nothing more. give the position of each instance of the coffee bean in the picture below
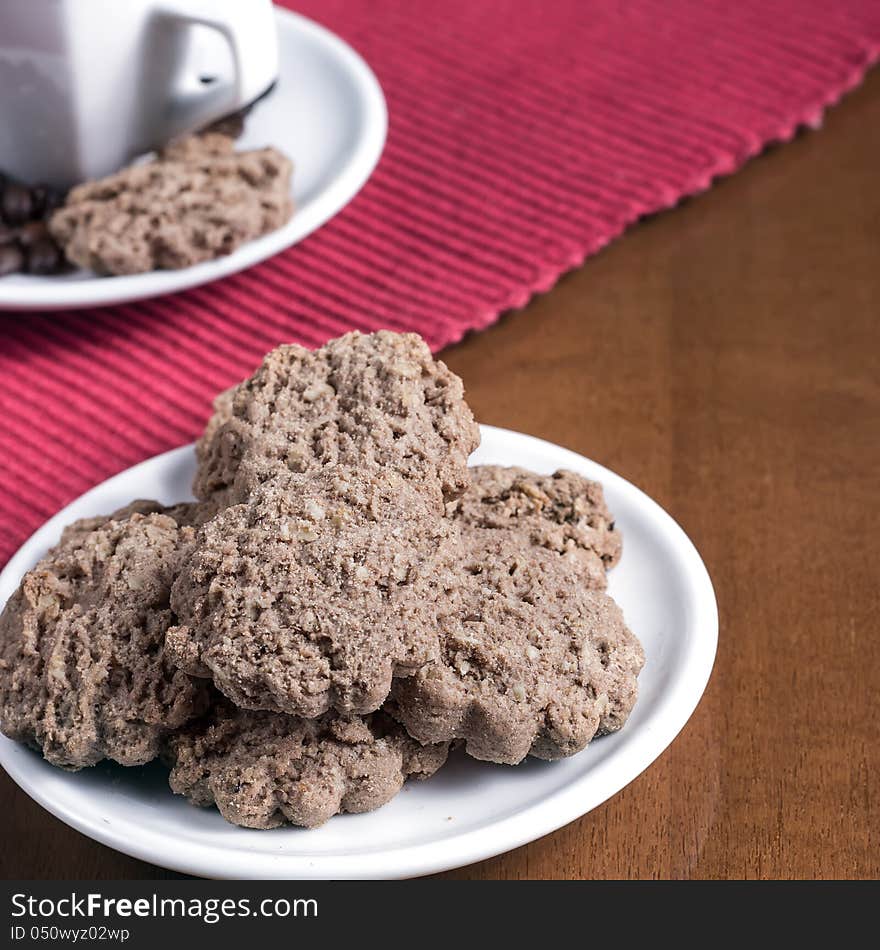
(16, 204)
(46, 199)
(39, 194)
(43, 258)
(25, 240)
(32, 232)
(11, 259)
(55, 198)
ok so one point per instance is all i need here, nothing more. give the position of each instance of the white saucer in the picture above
(327, 112)
(469, 810)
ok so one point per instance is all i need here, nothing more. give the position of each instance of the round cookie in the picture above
(197, 200)
(264, 769)
(531, 661)
(83, 671)
(378, 401)
(315, 596)
(563, 512)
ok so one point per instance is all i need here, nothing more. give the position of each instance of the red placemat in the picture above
(525, 135)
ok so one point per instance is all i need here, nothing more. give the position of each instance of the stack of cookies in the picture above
(345, 601)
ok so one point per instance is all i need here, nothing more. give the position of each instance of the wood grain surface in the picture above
(725, 357)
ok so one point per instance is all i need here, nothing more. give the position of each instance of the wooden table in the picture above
(726, 358)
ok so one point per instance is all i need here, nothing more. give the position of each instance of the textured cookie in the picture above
(563, 512)
(378, 401)
(222, 413)
(186, 514)
(531, 660)
(83, 672)
(197, 200)
(314, 597)
(264, 769)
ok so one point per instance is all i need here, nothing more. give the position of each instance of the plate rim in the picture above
(359, 166)
(533, 821)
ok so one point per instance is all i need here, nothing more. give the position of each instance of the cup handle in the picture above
(249, 29)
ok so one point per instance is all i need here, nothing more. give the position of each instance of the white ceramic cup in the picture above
(86, 85)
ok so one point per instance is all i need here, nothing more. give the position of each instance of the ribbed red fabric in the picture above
(525, 135)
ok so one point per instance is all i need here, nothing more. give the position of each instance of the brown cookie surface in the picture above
(563, 512)
(197, 200)
(83, 670)
(314, 597)
(264, 769)
(186, 514)
(531, 660)
(367, 401)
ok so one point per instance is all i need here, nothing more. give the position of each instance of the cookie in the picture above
(377, 401)
(222, 413)
(563, 512)
(197, 200)
(264, 769)
(83, 670)
(185, 514)
(531, 660)
(314, 597)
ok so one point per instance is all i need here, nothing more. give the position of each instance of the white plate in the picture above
(327, 113)
(469, 810)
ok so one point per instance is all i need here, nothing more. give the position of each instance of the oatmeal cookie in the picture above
(315, 596)
(264, 769)
(531, 660)
(186, 514)
(370, 402)
(83, 670)
(197, 200)
(563, 512)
